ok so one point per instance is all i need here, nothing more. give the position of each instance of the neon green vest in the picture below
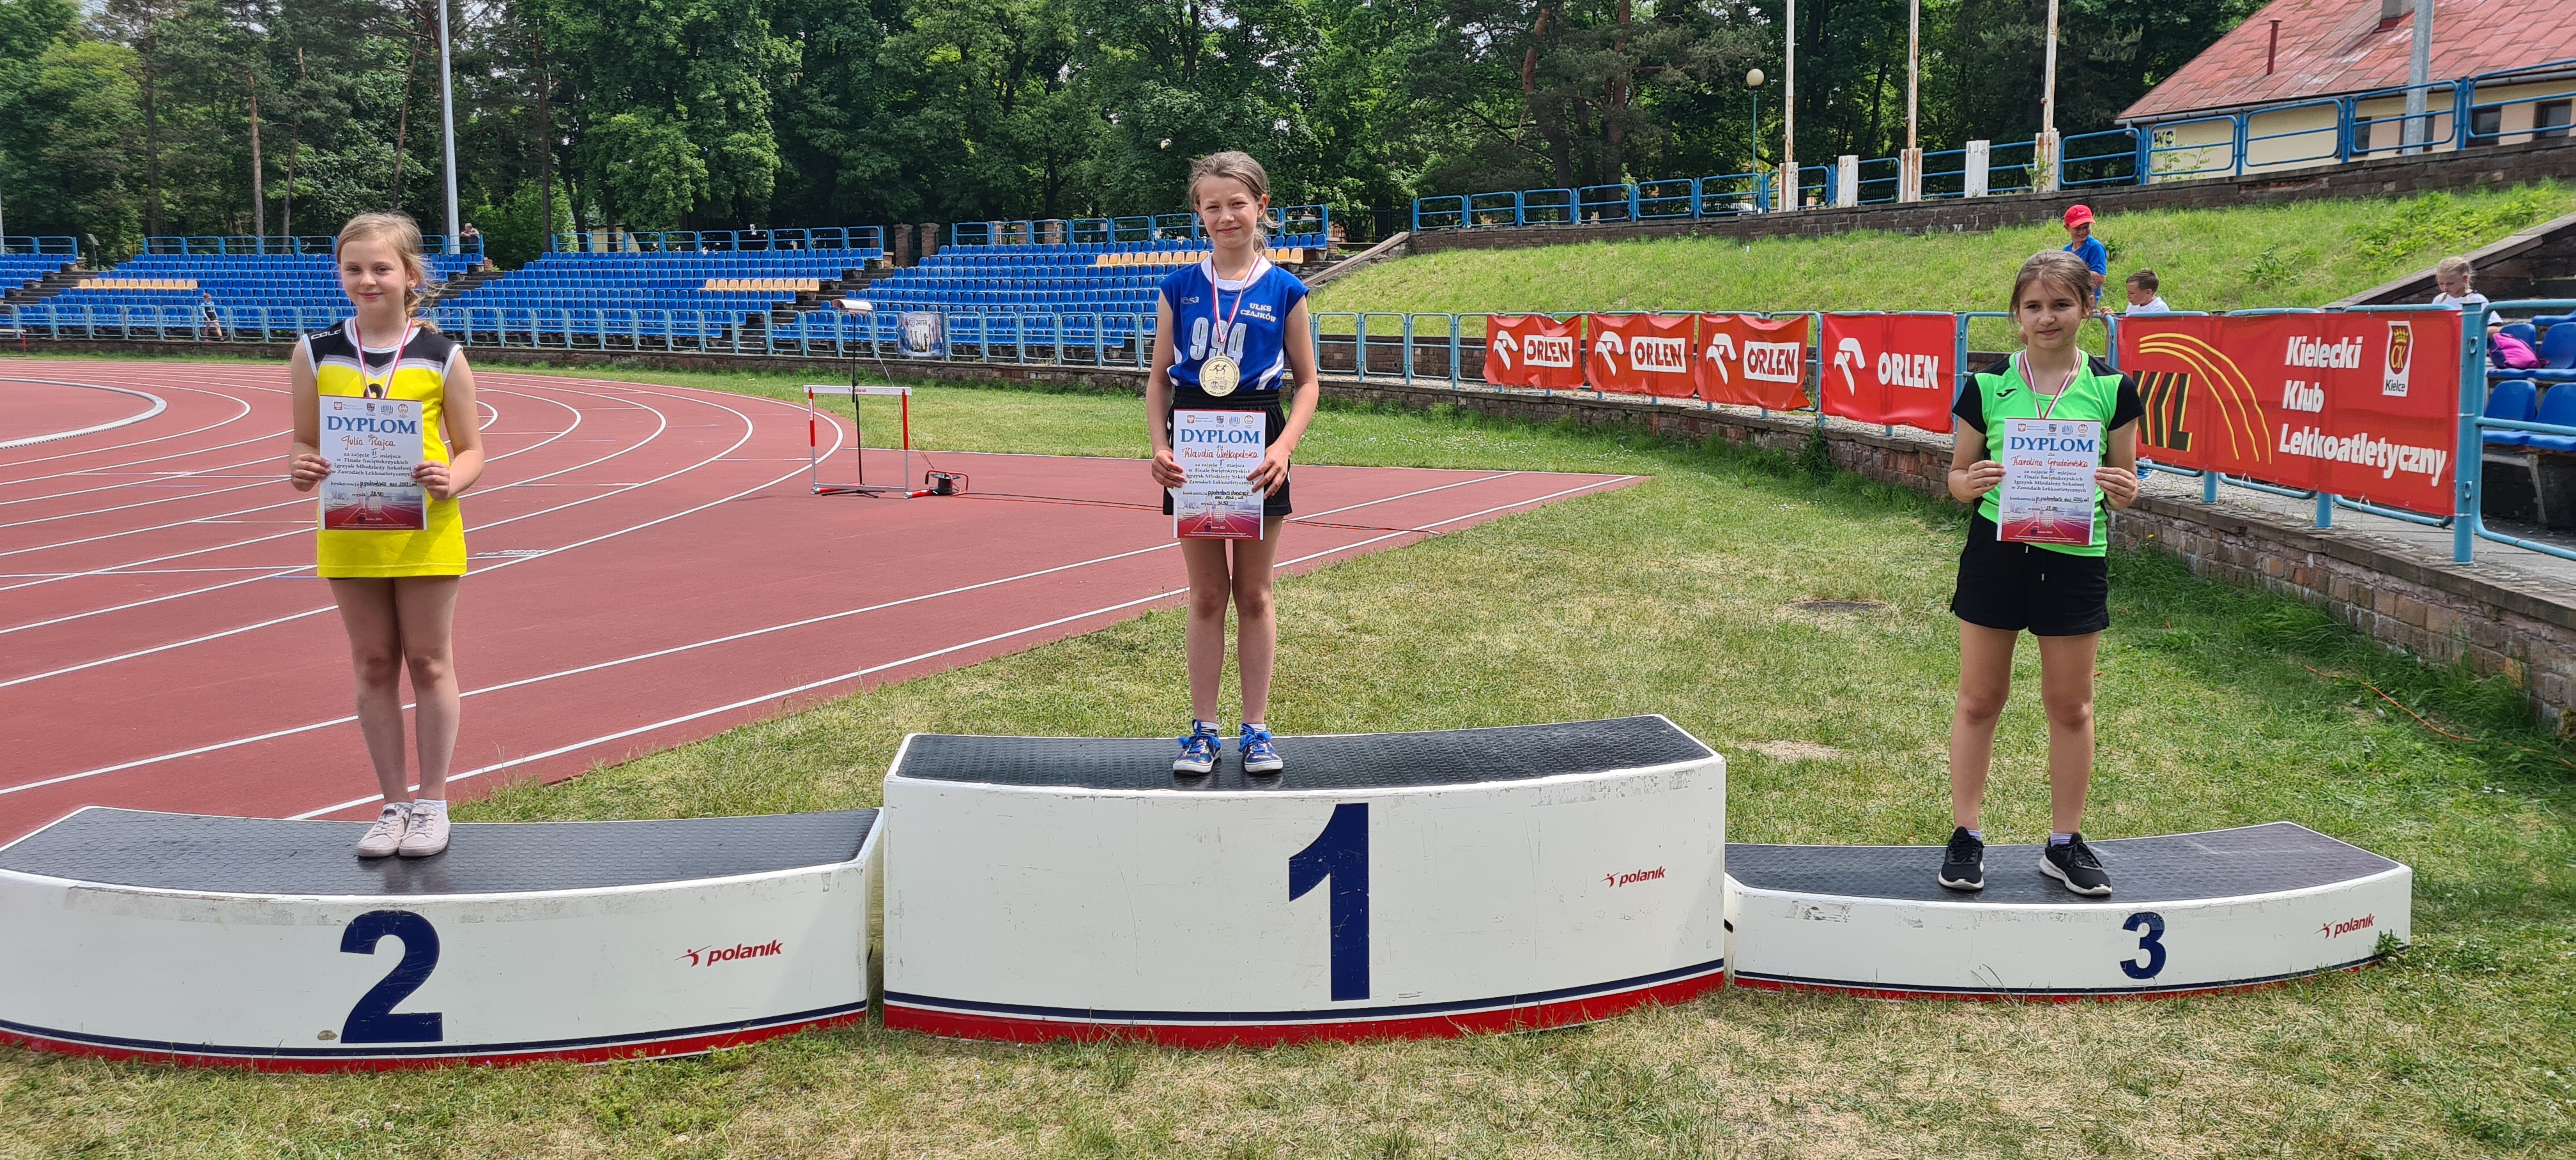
(2093, 395)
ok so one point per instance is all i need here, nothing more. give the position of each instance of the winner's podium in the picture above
(271, 944)
(2190, 913)
(1398, 884)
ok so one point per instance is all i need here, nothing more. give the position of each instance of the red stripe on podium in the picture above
(1529, 1017)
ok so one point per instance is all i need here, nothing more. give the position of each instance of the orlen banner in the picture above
(1532, 350)
(1754, 362)
(1641, 354)
(2361, 404)
(1890, 368)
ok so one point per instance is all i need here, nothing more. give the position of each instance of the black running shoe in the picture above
(1963, 865)
(2075, 865)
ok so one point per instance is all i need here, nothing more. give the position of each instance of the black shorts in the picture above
(2024, 586)
(1274, 422)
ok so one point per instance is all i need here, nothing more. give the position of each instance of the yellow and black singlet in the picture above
(419, 373)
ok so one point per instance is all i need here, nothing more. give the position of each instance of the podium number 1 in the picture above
(1340, 853)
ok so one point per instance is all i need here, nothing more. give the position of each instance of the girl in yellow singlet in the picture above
(396, 588)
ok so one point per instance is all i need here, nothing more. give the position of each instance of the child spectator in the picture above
(2081, 243)
(2143, 298)
(2452, 275)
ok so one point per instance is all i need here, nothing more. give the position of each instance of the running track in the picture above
(647, 570)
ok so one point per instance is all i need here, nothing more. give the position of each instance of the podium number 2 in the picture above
(1340, 853)
(2151, 939)
(373, 1020)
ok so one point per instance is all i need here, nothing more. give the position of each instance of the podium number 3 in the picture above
(373, 1020)
(2151, 939)
(1340, 853)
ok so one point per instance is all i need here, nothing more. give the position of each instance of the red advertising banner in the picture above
(1532, 350)
(1890, 368)
(1641, 354)
(1754, 362)
(2361, 404)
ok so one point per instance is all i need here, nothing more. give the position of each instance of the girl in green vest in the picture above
(2059, 590)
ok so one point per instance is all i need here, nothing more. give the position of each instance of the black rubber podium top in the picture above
(262, 856)
(2266, 859)
(1331, 761)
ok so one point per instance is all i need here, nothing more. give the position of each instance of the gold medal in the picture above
(1218, 375)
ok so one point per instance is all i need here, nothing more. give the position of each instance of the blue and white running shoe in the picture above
(1259, 755)
(1198, 749)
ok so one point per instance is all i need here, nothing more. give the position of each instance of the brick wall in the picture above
(2503, 165)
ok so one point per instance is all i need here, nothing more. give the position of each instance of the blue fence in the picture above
(2454, 118)
(283, 245)
(2510, 413)
(718, 241)
(67, 247)
(1295, 221)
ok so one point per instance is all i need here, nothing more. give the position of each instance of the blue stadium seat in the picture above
(2557, 407)
(2513, 400)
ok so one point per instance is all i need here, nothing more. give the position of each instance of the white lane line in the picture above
(218, 517)
(302, 525)
(218, 471)
(159, 405)
(306, 527)
(748, 430)
(730, 638)
(233, 418)
(857, 674)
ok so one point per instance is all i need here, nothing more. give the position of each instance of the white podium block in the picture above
(2191, 914)
(270, 944)
(1401, 884)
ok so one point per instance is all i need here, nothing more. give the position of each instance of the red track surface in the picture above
(648, 570)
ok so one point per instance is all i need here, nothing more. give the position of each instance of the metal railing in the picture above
(717, 241)
(50, 244)
(1294, 221)
(1444, 349)
(2125, 156)
(280, 245)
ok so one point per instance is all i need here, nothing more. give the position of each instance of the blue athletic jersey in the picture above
(1257, 342)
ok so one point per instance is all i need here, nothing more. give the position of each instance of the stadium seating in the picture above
(21, 270)
(2514, 401)
(1079, 294)
(646, 295)
(166, 289)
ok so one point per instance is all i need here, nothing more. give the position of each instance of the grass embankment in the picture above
(1671, 596)
(2300, 254)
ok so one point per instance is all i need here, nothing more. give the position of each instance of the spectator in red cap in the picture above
(2081, 243)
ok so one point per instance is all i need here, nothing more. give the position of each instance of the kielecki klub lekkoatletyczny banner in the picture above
(2359, 403)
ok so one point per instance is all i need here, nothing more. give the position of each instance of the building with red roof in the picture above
(2316, 82)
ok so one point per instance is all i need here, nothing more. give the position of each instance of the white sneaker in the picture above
(386, 835)
(428, 829)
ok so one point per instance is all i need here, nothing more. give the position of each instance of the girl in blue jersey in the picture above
(1231, 334)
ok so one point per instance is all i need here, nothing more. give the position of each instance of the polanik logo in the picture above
(710, 956)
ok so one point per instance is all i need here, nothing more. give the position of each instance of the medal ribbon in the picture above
(1225, 326)
(394, 364)
(2052, 396)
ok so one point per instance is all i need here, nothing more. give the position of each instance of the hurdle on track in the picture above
(901, 486)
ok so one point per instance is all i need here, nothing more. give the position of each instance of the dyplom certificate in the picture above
(1217, 451)
(2048, 491)
(372, 445)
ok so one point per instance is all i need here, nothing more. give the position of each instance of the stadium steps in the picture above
(46, 287)
(458, 285)
(813, 299)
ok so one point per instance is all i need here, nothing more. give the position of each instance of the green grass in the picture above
(2298, 254)
(1670, 596)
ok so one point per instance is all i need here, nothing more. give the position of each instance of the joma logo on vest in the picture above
(1910, 370)
(1662, 355)
(2301, 395)
(2319, 354)
(1548, 350)
(1775, 362)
